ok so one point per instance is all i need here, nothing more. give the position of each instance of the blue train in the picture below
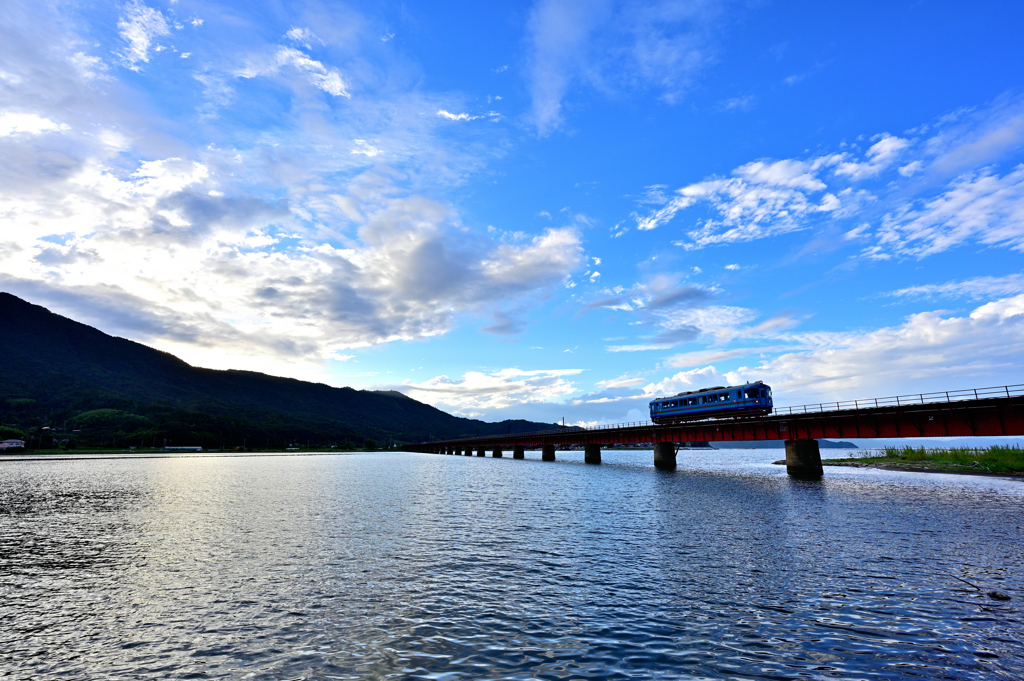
(750, 399)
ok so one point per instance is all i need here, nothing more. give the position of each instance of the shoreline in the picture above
(914, 467)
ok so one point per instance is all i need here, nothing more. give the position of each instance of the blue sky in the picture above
(528, 210)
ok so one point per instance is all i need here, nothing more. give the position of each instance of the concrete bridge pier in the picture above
(481, 451)
(803, 459)
(457, 451)
(591, 453)
(519, 452)
(496, 453)
(665, 456)
(547, 452)
(468, 451)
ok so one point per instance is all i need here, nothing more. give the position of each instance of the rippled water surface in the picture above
(426, 566)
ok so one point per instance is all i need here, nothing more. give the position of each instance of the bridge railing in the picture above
(906, 400)
(947, 396)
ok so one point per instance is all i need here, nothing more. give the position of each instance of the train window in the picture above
(762, 394)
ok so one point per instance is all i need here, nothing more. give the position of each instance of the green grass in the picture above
(994, 459)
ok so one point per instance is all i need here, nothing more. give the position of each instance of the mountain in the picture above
(57, 370)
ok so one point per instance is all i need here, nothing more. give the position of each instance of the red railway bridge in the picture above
(959, 413)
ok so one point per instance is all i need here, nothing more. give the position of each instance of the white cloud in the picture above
(694, 379)
(620, 382)
(139, 27)
(746, 210)
(764, 198)
(364, 148)
(91, 68)
(303, 36)
(27, 123)
(212, 273)
(478, 391)
(327, 79)
(930, 351)
(911, 168)
(732, 267)
(879, 156)
(456, 117)
(787, 173)
(768, 198)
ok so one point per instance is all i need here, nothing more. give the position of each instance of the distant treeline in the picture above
(154, 426)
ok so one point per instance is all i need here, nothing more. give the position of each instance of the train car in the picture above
(749, 399)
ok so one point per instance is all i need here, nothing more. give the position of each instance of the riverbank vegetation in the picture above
(995, 459)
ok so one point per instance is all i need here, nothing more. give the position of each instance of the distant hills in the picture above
(57, 371)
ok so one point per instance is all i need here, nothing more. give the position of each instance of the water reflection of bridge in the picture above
(959, 413)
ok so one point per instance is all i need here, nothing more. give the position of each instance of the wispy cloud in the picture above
(139, 27)
(654, 44)
(737, 103)
(976, 288)
(981, 207)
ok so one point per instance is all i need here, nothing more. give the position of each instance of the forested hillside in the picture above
(68, 376)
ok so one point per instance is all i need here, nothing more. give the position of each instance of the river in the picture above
(393, 565)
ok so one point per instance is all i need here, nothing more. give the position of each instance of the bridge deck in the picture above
(983, 416)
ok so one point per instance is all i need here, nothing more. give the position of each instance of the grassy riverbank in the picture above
(996, 459)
